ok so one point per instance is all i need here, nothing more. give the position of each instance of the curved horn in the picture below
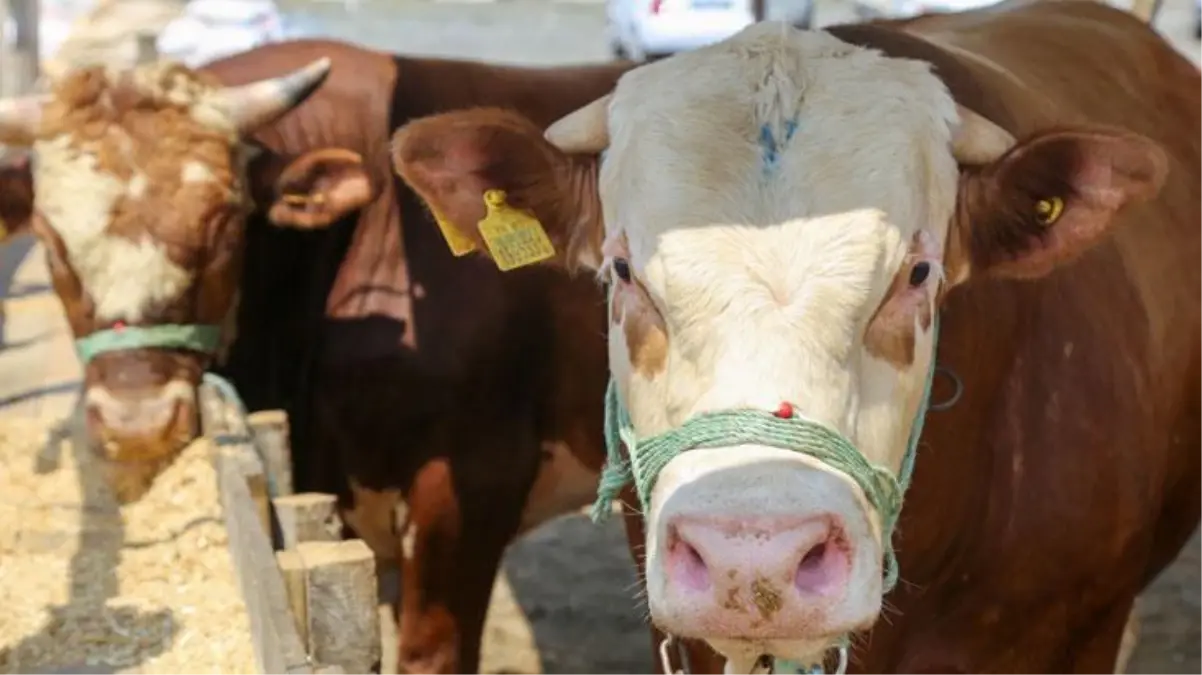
(258, 103)
(977, 140)
(20, 118)
(583, 131)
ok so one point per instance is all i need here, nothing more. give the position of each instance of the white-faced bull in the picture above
(784, 219)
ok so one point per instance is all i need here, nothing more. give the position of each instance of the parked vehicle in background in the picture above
(647, 29)
(874, 9)
(212, 29)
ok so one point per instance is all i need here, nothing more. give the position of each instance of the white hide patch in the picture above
(137, 186)
(124, 278)
(205, 104)
(196, 172)
(766, 266)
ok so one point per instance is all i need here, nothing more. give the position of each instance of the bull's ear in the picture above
(1049, 199)
(16, 194)
(318, 188)
(486, 170)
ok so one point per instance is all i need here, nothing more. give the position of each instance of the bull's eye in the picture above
(919, 273)
(621, 267)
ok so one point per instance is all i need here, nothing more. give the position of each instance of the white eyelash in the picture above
(605, 272)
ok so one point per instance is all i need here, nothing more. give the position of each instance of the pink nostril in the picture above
(822, 570)
(686, 565)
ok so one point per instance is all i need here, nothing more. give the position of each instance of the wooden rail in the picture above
(310, 595)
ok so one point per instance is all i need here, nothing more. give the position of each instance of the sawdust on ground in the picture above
(148, 587)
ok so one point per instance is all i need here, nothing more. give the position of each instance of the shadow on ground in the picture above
(99, 637)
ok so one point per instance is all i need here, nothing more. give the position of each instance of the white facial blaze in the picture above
(124, 278)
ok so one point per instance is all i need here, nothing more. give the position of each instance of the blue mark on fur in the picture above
(771, 148)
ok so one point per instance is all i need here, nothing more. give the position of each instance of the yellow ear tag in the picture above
(458, 242)
(1048, 210)
(514, 238)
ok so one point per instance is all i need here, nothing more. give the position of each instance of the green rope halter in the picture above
(197, 338)
(646, 457)
(203, 338)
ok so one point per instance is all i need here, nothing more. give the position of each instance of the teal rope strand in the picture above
(644, 459)
(230, 392)
(203, 338)
(616, 473)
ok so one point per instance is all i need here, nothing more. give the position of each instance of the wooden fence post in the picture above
(270, 429)
(147, 48)
(222, 422)
(342, 620)
(19, 61)
(309, 516)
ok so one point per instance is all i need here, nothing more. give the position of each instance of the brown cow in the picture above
(783, 215)
(141, 193)
(422, 383)
(401, 367)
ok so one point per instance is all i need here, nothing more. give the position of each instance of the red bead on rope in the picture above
(785, 411)
(119, 326)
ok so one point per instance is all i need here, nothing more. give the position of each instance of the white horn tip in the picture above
(320, 66)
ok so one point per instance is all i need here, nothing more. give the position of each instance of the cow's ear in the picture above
(16, 194)
(318, 188)
(1049, 199)
(486, 170)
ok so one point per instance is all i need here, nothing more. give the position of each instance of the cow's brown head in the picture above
(141, 193)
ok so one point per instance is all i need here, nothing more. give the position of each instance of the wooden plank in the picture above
(292, 567)
(309, 516)
(147, 47)
(270, 430)
(242, 481)
(222, 421)
(343, 625)
(277, 644)
(19, 64)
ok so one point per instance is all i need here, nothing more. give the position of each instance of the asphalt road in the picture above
(566, 601)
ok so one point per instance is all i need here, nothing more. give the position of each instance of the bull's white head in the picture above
(777, 215)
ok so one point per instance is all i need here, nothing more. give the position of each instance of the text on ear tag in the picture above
(459, 243)
(514, 238)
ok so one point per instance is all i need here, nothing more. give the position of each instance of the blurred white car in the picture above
(212, 29)
(872, 9)
(647, 29)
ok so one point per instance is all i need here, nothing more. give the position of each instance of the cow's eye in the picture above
(621, 267)
(919, 273)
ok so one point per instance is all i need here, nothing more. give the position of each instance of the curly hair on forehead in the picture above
(152, 119)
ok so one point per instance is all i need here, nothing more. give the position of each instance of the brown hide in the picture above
(435, 377)
(1067, 476)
